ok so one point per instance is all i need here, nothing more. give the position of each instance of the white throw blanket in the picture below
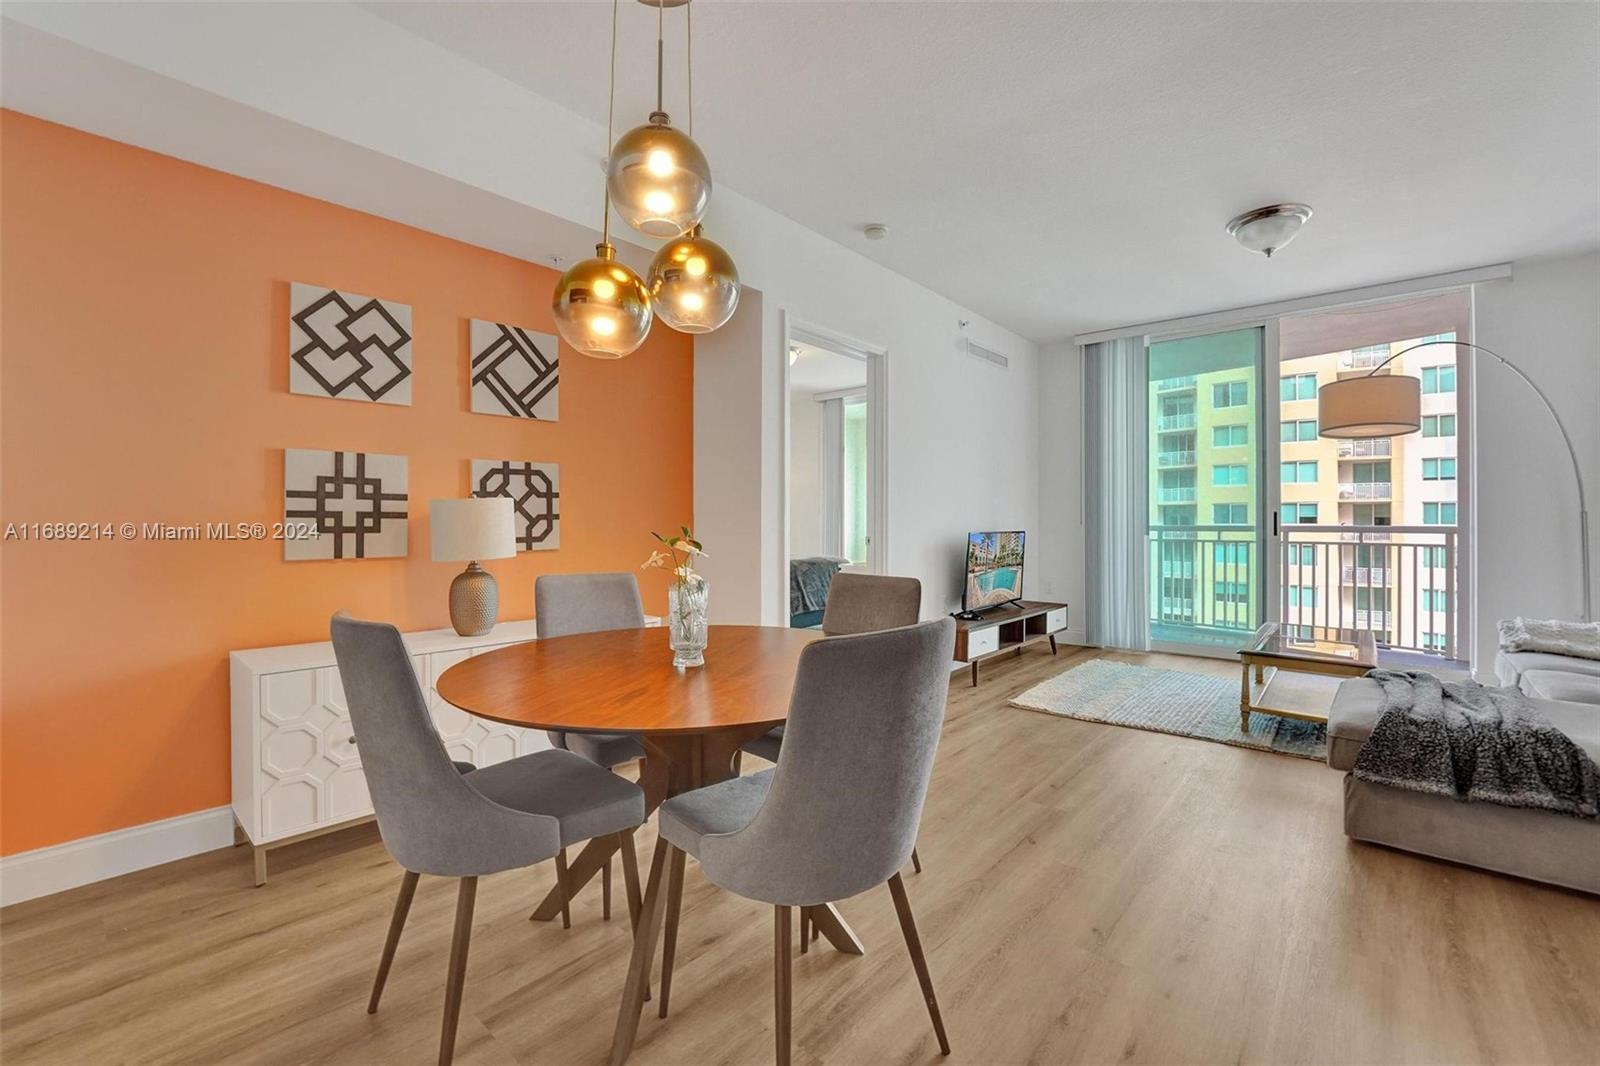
(1578, 639)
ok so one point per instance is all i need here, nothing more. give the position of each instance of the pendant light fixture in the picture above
(658, 177)
(693, 284)
(601, 307)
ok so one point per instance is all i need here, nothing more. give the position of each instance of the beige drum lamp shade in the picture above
(475, 528)
(1380, 405)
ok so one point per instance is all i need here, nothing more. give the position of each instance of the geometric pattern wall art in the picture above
(357, 501)
(535, 491)
(348, 346)
(515, 371)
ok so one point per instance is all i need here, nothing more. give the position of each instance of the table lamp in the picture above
(480, 527)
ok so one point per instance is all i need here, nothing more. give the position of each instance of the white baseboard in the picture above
(30, 874)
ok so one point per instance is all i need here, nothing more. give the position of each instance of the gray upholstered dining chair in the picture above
(439, 819)
(857, 603)
(565, 605)
(837, 815)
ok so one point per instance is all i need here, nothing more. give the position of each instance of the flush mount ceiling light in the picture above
(1268, 229)
(875, 231)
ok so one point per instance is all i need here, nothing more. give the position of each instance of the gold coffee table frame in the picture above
(1329, 652)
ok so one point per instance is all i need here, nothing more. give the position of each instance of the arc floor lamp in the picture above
(1390, 405)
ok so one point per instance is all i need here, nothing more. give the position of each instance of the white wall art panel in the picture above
(535, 491)
(515, 371)
(348, 346)
(355, 502)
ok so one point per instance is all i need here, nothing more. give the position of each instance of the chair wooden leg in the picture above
(908, 926)
(782, 1000)
(402, 907)
(916, 861)
(644, 951)
(805, 930)
(669, 944)
(564, 884)
(738, 762)
(605, 892)
(458, 968)
(630, 877)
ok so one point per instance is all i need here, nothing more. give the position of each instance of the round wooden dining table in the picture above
(692, 722)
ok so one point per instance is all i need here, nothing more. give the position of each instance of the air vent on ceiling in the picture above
(993, 358)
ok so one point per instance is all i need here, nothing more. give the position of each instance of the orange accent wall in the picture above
(144, 377)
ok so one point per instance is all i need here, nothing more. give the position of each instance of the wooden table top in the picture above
(623, 681)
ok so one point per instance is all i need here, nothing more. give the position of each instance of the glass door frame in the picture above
(1267, 496)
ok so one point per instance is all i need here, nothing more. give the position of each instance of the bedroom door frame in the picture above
(876, 357)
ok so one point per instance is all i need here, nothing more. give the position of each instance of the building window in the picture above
(1433, 641)
(1300, 429)
(1230, 394)
(1302, 595)
(1177, 516)
(1230, 514)
(1299, 514)
(1297, 387)
(1435, 558)
(1438, 425)
(1439, 514)
(1302, 554)
(1371, 514)
(1233, 592)
(1372, 473)
(1231, 553)
(1302, 472)
(1371, 349)
(1438, 469)
(1435, 600)
(1435, 337)
(1229, 436)
(1230, 474)
(1439, 378)
(1372, 599)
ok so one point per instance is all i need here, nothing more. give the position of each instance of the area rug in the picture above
(1169, 701)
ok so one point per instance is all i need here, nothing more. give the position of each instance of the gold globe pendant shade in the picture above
(659, 179)
(601, 307)
(694, 286)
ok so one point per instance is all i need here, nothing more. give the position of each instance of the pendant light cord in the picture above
(688, 60)
(611, 110)
(661, 17)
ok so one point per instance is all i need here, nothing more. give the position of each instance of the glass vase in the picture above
(686, 623)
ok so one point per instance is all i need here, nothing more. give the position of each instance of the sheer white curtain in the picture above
(830, 476)
(1117, 498)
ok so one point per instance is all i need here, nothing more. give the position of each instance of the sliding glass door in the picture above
(1209, 508)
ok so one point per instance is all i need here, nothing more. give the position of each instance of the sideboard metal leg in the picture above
(261, 866)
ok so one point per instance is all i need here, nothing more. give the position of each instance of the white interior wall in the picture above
(805, 474)
(1056, 557)
(961, 440)
(1546, 320)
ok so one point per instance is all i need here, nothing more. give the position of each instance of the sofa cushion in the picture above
(1509, 666)
(1563, 686)
(1359, 701)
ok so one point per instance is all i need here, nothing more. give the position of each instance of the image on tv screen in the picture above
(994, 568)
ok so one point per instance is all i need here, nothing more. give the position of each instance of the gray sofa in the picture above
(1551, 677)
(1555, 848)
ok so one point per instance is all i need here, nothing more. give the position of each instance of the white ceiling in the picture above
(817, 370)
(1065, 167)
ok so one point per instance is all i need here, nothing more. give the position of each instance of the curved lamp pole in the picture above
(1572, 453)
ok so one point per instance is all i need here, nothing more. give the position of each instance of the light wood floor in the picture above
(1091, 894)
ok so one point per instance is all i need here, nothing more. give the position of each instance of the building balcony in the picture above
(1173, 423)
(1366, 575)
(1177, 384)
(1166, 460)
(1185, 494)
(1371, 448)
(1366, 490)
(1362, 360)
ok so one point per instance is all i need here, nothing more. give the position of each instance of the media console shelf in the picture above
(1007, 629)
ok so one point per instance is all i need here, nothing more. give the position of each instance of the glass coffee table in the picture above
(1295, 649)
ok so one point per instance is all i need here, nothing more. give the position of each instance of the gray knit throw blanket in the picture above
(1464, 740)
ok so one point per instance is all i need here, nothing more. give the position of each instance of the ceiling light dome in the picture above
(601, 307)
(694, 286)
(659, 179)
(1268, 229)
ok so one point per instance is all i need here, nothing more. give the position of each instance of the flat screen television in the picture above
(994, 570)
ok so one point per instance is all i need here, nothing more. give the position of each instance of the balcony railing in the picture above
(1183, 494)
(1402, 563)
(1201, 582)
(1168, 459)
(1361, 360)
(1367, 448)
(1184, 381)
(1365, 490)
(1168, 423)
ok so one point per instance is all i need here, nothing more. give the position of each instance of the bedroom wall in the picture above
(805, 476)
(144, 354)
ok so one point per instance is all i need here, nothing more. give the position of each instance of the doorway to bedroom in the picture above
(831, 484)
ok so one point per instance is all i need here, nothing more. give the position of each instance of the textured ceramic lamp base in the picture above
(474, 601)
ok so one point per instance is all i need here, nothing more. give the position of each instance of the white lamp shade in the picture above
(1382, 405)
(475, 528)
